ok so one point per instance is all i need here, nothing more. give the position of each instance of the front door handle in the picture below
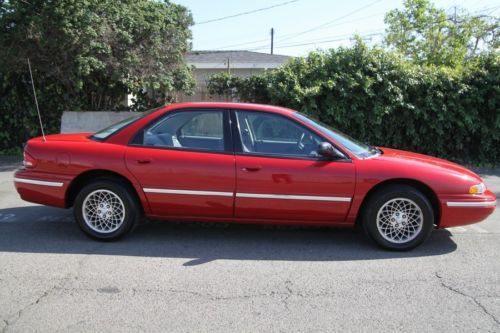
(251, 169)
(144, 161)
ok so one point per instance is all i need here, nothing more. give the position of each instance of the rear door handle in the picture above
(251, 169)
(144, 161)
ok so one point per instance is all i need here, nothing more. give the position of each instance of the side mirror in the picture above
(326, 150)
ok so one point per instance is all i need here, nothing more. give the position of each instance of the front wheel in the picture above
(398, 217)
(106, 210)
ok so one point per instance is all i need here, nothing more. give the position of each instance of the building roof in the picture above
(237, 59)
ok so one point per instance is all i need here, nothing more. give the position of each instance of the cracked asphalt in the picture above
(171, 277)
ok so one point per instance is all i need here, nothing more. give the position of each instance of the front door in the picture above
(185, 164)
(280, 177)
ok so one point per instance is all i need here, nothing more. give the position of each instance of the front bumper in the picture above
(466, 209)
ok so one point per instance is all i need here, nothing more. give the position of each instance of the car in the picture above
(247, 163)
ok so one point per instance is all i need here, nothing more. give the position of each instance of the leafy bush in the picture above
(381, 98)
(87, 55)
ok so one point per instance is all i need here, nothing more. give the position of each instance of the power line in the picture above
(241, 44)
(486, 9)
(248, 12)
(330, 22)
(321, 41)
(286, 35)
(349, 35)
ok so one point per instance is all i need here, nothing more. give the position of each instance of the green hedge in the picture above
(380, 98)
(18, 116)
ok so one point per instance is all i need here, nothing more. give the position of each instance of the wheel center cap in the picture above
(399, 219)
(104, 210)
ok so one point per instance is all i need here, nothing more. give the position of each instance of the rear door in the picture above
(279, 175)
(185, 164)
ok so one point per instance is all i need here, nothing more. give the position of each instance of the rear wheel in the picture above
(398, 217)
(106, 209)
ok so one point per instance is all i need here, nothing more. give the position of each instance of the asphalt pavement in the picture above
(173, 277)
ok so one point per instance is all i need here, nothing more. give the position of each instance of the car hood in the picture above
(406, 157)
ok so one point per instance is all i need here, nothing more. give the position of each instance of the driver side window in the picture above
(267, 133)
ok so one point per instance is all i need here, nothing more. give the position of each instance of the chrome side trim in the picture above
(292, 197)
(38, 182)
(188, 192)
(247, 195)
(471, 203)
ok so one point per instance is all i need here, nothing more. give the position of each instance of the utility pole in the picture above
(228, 67)
(272, 40)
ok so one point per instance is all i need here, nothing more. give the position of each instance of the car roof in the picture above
(231, 105)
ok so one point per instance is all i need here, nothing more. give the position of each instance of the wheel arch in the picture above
(88, 176)
(422, 187)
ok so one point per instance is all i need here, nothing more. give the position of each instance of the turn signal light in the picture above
(477, 189)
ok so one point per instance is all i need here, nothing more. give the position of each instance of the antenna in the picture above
(36, 101)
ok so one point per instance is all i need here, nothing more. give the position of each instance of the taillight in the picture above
(28, 161)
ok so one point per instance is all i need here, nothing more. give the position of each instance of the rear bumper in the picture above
(42, 188)
(466, 209)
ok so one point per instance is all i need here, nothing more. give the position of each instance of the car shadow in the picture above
(40, 229)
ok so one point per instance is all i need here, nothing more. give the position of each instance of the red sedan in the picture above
(247, 163)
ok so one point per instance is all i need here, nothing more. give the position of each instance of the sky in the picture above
(300, 26)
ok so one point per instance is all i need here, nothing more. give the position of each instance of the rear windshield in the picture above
(116, 127)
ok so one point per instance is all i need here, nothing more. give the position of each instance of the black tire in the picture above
(390, 217)
(124, 217)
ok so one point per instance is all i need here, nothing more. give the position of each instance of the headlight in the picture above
(477, 189)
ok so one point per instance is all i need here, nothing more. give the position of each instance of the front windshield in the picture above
(110, 130)
(357, 148)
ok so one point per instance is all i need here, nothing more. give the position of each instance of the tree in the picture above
(427, 35)
(93, 52)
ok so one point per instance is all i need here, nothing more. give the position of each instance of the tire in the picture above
(398, 217)
(106, 210)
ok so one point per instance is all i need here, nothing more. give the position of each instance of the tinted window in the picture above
(267, 133)
(356, 147)
(200, 130)
(204, 125)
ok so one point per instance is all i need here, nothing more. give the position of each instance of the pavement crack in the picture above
(288, 294)
(59, 286)
(459, 292)
(20, 312)
(4, 329)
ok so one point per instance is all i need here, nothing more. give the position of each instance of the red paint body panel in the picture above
(81, 155)
(293, 177)
(454, 216)
(65, 157)
(45, 195)
(183, 170)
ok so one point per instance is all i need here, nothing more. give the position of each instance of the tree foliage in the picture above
(428, 35)
(87, 55)
(379, 97)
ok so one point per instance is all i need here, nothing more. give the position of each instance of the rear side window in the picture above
(204, 125)
(191, 130)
